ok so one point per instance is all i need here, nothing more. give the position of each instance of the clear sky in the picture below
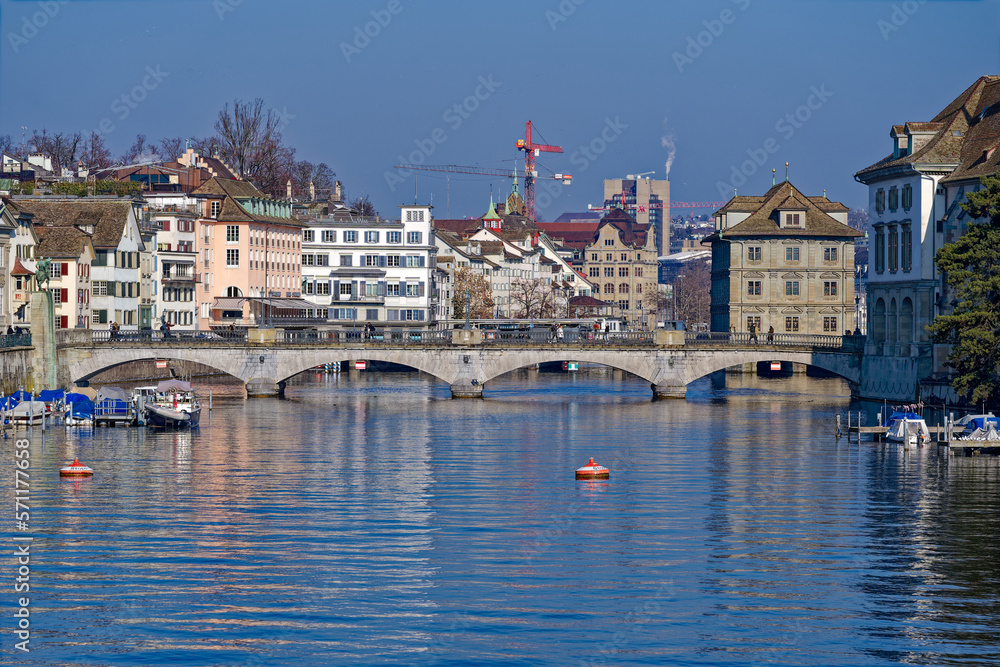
(617, 84)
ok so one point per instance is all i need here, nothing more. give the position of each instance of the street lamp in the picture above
(468, 309)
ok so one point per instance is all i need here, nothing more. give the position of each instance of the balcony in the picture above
(174, 277)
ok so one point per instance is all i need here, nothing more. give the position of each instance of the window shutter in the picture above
(393, 314)
(336, 290)
(420, 314)
(420, 289)
(381, 288)
(361, 289)
(64, 269)
(111, 288)
(354, 289)
(102, 316)
(402, 288)
(64, 322)
(64, 296)
(382, 260)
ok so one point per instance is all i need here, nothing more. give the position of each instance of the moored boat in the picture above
(172, 404)
(908, 428)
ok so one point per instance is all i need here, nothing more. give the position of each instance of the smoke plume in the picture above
(668, 142)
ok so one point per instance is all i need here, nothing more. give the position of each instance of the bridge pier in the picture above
(466, 389)
(264, 388)
(669, 391)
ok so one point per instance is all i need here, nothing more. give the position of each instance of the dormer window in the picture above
(792, 219)
(901, 148)
(215, 208)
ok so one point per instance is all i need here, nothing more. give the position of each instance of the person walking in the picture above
(753, 333)
(559, 334)
(770, 334)
(114, 331)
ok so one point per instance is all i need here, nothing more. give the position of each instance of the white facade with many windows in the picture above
(359, 270)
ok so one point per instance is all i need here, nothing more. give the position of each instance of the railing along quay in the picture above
(437, 337)
(15, 340)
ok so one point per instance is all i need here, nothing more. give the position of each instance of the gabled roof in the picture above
(950, 128)
(232, 210)
(783, 196)
(109, 218)
(61, 242)
(630, 232)
(981, 150)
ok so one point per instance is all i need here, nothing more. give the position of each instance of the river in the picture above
(368, 519)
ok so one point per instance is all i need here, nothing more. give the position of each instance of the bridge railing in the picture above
(15, 340)
(544, 337)
(851, 343)
(384, 336)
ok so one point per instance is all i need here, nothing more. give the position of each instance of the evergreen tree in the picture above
(971, 268)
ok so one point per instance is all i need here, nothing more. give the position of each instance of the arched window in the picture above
(609, 288)
(623, 288)
(891, 324)
(878, 322)
(906, 321)
(234, 291)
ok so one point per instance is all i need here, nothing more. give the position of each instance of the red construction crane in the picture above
(531, 151)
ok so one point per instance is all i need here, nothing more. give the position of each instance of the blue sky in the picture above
(605, 80)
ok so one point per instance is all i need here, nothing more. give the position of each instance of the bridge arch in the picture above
(637, 363)
(841, 364)
(303, 360)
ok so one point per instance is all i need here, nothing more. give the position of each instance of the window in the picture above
(609, 241)
(753, 288)
(345, 260)
(829, 288)
(829, 254)
(371, 289)
(793, 220)
(595, 272)
(415, 238)
(322, 259)
(608, 257)
(624, 257)
(791, 288)
(392, 260)
(413, 289)
(371, 260)
(893, 248)
(753, 253)
(411, 315)
(323, 288)
(623, 288)
(232, 234)
(593, 257)
(415, 260)
(609, 288)
(880, 249)
(791, 254)
(893, 198)
(215, 208)
(609, 272)
(100, 288)
(308, 260)
(414, 216)
(791, 324)
(394, 237)
(830, 324)
(880, 201)
(623, 304)
(753, 322)
(392, 289)
(345, 289)
(638, 272)
(371, 237)
(907, 197)
(623, 272)
(308, 235)
(350, 236)
(330, 236)
(907, 248)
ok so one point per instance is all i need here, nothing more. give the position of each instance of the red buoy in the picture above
(593, 471)
(76, 469)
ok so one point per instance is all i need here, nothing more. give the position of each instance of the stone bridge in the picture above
(669, 361)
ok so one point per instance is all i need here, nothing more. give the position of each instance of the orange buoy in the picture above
(592, 471)
(76, 469)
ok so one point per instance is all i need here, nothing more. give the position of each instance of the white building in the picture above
(175, 275)
(914, 197)
(359, 270)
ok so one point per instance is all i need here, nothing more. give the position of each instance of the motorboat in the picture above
(972, 423)
(908, 428)
(170, 404)
(28, 412)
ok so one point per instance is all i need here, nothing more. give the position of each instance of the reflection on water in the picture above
(371, 519)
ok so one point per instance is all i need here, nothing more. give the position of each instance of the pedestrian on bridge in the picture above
(770, 334)
(753, 333)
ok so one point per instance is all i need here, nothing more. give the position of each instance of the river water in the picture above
(369, 519)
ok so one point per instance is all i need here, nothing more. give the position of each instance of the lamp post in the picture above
(468, 310)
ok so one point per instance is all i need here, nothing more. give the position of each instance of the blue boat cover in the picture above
(49, 395)
(73, 397)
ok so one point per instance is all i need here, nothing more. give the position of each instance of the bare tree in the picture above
(94, 153)
(692, 293)
(305, 173)
(364, 206)
(249, 136)
(480, 300)
(61, 147)
(171, 148)
(532, 298)
(140, 151)
(8, 146)
(210, 146)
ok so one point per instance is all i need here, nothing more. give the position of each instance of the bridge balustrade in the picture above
(850, 343)
(15, 340)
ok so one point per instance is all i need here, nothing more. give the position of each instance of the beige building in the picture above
(621, 261)
(645, 199)
(783, 260)
(72, 253)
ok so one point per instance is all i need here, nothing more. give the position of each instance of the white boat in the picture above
(908, 428)
(170, 404)
(28, 412)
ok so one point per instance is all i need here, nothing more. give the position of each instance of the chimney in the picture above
(336, 193)
(288, 189)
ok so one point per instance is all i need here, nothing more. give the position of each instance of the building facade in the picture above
(357, 270)
(621, 260)
(645, 199)
(914, 205)
(783, 260)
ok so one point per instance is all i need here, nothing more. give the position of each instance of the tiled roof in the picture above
(109, 218)
(232, 210)
(981, 150)
(630, 232)
(764, 221)
(951, 126)
(828, 206)
(19, 269)
(587, 302)
(460, 226)
(61, 242)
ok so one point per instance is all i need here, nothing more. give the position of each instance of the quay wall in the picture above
(15, 370)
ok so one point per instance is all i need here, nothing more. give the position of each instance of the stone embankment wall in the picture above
(15, 370)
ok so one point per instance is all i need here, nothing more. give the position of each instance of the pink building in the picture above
(249, 256)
